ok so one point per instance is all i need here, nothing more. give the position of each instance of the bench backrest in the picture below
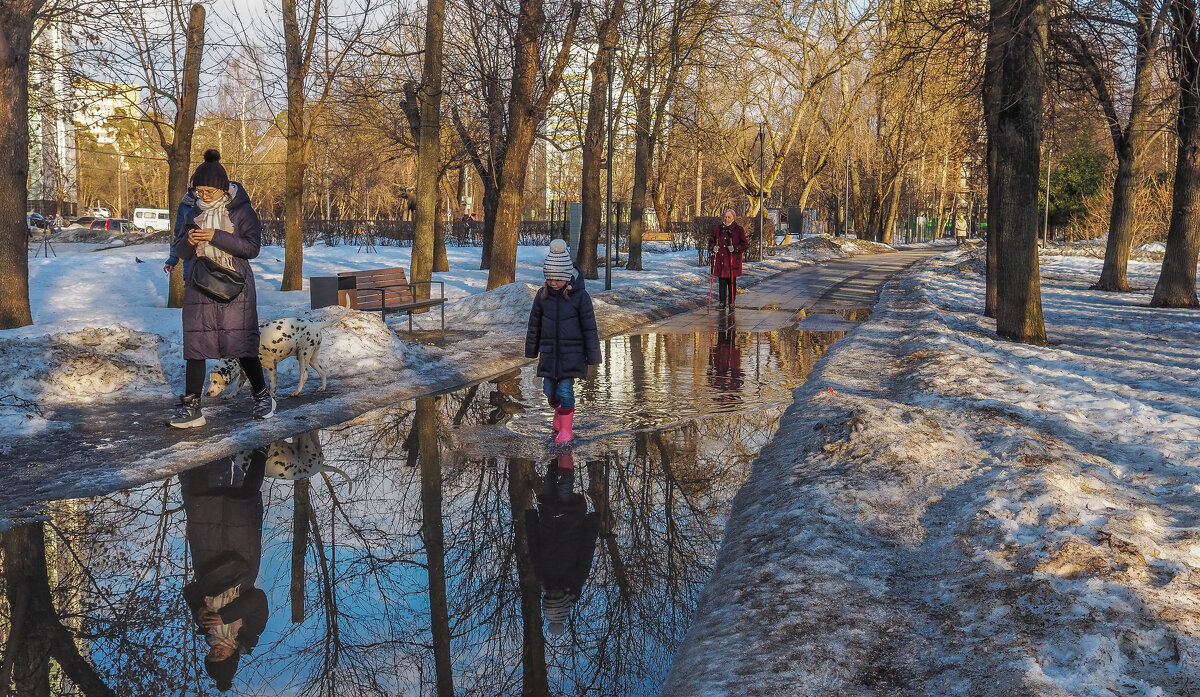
(375, 278)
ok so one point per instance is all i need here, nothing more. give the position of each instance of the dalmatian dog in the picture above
(299, 457)
(278, 340)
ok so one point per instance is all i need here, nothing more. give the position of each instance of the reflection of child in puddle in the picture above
(224, 510)
(562, 540)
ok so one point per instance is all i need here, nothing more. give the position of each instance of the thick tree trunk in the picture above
(38, 634)
(16, 28)
(425, 424)
(1120, 222)
(179, 155)
(491, 201)
(1013, 92)
(429, 150)
(526, 109)
(1177, 280)
(296, 159)
(641, 176)
(1129, 142)
(534, 682)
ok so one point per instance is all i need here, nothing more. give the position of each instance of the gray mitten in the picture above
(729, 247)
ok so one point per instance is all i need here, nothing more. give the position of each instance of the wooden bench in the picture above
(388, 290)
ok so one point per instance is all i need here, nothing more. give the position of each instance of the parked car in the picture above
(82, 222)
(115, 225)
(35, 220)
(150, 219)
(101, 212)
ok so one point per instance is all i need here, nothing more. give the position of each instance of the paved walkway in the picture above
(824, 292)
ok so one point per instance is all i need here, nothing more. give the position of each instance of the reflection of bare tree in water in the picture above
(36, 632)
(357, 571)
(426, 427)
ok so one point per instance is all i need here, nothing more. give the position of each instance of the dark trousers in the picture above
(727, 289)
(197, 370)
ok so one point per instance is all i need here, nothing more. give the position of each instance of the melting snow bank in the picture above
(966, 516)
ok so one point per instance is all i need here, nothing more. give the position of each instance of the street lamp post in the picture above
(762, 189)
(608, 250)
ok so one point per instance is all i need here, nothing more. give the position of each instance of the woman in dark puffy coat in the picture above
(562, 335)
(222, 226)
(223, 504)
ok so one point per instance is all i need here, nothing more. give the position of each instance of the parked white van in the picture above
(152, 218)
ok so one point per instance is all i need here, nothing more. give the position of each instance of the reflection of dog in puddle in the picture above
(277, 341)
(299, 457)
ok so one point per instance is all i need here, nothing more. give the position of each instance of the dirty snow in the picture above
(946, 513)
(120, 293)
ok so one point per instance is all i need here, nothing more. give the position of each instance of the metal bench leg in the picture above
(443, 307)
(410, 321)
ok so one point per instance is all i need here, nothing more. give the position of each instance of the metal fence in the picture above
(399, 233)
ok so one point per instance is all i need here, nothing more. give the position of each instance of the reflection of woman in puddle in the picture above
(725, 366)
(562, 540)
(224, 508)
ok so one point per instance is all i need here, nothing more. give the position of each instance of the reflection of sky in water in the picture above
(669, 425)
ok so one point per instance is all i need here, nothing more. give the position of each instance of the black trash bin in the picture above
(323, 291)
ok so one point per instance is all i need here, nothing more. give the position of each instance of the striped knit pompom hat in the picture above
(558, 265)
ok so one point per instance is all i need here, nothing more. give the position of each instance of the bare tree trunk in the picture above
(429, 150)
(641, 175)
(491, 201)
(440, 261)
(534, 682)
(593, 145)
(1177, 281)
(16, 29)
(296, 159)
(301, 512)
(425, 424)
(179, 154)
(42, 635)
(526, 109)
(1120, 222)
(1013, 91)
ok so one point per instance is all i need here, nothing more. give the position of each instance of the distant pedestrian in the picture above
(960, 229)
(223, 228)
(562, 335)
(726, 244)
(562, 538)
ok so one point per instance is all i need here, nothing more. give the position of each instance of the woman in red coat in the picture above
(726, 244)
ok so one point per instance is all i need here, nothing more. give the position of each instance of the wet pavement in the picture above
(444, 545)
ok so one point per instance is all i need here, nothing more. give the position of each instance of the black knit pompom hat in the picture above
(211, 173)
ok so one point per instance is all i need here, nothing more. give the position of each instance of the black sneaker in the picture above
(720, 307)
(187, 414)
(264, 404)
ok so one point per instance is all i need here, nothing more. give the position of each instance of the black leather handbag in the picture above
(216, 281)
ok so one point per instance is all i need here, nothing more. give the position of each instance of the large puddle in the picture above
(442, 546)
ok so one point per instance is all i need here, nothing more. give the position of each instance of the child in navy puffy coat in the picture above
(562, 336)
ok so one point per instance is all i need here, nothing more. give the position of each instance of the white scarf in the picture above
(225, 634)
(215, 216)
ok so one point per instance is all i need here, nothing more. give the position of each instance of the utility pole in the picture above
(608, 250)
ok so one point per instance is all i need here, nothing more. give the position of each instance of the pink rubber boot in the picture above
(566, 462)
(556, 424)
(566, 419)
